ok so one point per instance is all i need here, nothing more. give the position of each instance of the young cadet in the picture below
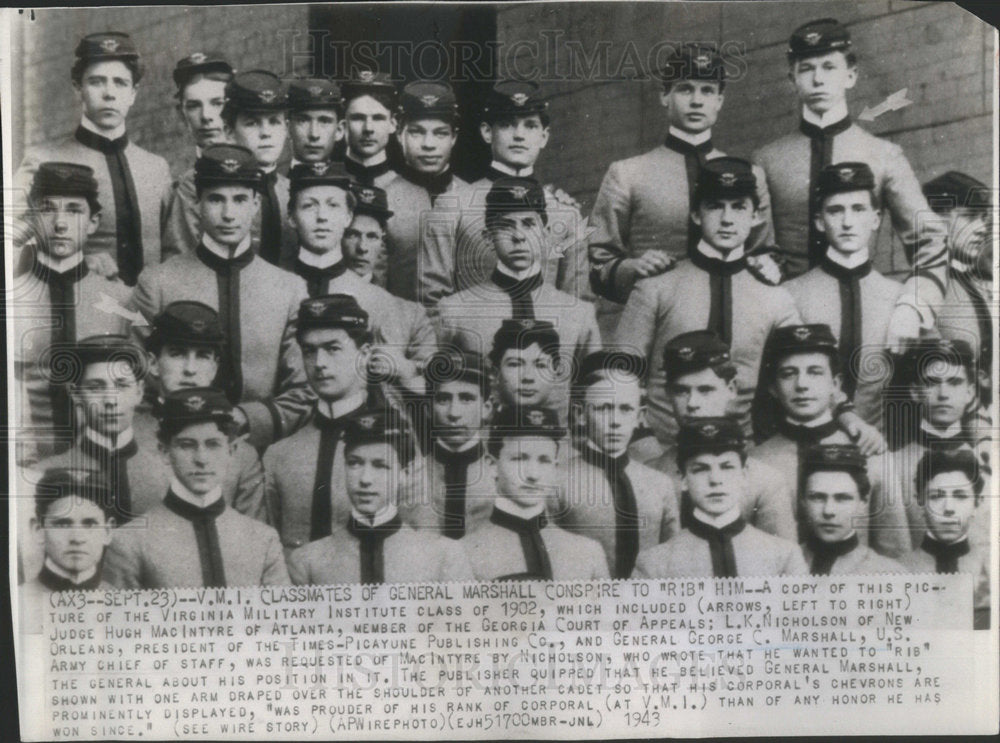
(185, 349)
(261, 366)
(59, 300)
(303, 474)
(801, 375)
(701, 383)
(640, 227)
(832, 501)
(515, 220)
(843, 291)
(950, 486)
(132, 181)
(527, 367)
(711, 453)
(715, 290)
(370, 100)
(428, 130)
(192, 538)
(518, 542)
(315, 123)
(453, 494)
(822, 67)
(364, 240)
(373, 545)
(455, 252)
(624, 505)
(201, 80)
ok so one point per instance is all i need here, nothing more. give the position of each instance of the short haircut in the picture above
(293, 199)
(668, 84)
(781, 356)
(520, 343)
(80, 67)
(724, 370)
(498, 436)
(386, 100)
(360, 336)
(702, 198)
(860, 479)
(506, 116)
(938, 461)
(876, 204)
(56, 484)
(167, 429)
(217, 75)
(231, 110)
(850, 57)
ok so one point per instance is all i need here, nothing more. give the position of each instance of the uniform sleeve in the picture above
(795, 563)
(572, 264)
(670, 523)
(785, 311)
(590, 340)
(607, 244)
(888, 526)
(123, 562)
(643, 567)
(166, 187)
(636, 329)
(455, 565)
(181, 230)
(773, 507)
(272, 495)
(762, 233)
(249, 496)
(437, 255)
(423, 340)
(146, 299)
(600, 562)
(445, 326)
(275, 572)
(298, 568)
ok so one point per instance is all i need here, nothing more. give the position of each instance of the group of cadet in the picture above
(352, 370)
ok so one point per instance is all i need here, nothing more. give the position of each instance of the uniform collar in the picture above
(721, 521)
(948, 433)
(508, 170)
(591, 446)
(124, 439)
(692, 139)
(933, 539)
(717, 255)
(519, 275)
(822, 420)
(61, 265)
(220, 250)
(75, 578)
(474, 441)
(834, 115)
(339, 408)
(855, 260)
(320, 260)
(502, 503)
(201, 501)
(376, 159)
(117, 133)
(384, 516)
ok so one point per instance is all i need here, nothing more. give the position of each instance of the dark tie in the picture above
(114, 464)
(626, 508)
(720, 283)
(820, 155)
(519, 291)
(945, 555)
(937, 442)
(318, 279)
(213, 571)
(434, 183)
(372, 546)
(694, 159)
(456, 480)
(321, 512)
(536, 556)
(366, 174)
(825, 554)
(493, 174)
(720, 543)
(127, 217)
(851, 319)
(270, 221)
(58, 583)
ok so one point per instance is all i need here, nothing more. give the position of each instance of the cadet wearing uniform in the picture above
(370, 100)
(257, 302)
(844, 292)
(133, 182)
(711, 453)
(315, 124)
(518, 542)
(714, 290)
(192, 538)
(373, 545)
(455, 255)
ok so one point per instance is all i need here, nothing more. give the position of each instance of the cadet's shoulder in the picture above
(651, 476)
(567, 540)
(255, 530)
(283, 452)
(148, 158)
(320, 549)
(776, 148)
(876, 563)
(763, 541)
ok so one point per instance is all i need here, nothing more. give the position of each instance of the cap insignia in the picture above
(197, 58)
(519, 192)
(110, 45)
(686, 353)
(367, 423)
(366, 195)
(710, 430)
(320, 168)
(230, 165)
(519, 99)
(194, 403)
(801, 333)
(429, 100)
(845, 175)
(728, 179)
(536, 417)
(366, 76)
(812, 38)
(267, 95)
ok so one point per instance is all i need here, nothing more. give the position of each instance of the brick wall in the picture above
(940, 53)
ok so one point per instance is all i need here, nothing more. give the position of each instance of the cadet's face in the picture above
(107, 92)
(969, 232)
(427, 144)
(199, 456)
(804, 386)
(109, 393)
(75, 533)
(364, 244)
(848, 220)
(725, 223)
(180, 367)
(822, 82)
(526, 376)
(831, 503)
(518, 238)
(320, 215)
(227, 213)
(692, 105)
(334, 364)
(459, 410)
(372, 472)
(65, 223)
(263, 133)
(314, 133)
(715, 481)
(945, 392)
(526, 469)
(949, 503)
(369, 126)
(701, 394)
(612, 408)
(518, 141)
(201, 106)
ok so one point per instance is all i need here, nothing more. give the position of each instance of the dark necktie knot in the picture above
(435, 183)
(223, 265)
(100, 143)
(366, 174)
(717, 266)
(807, 435)
(362, 530)
(845, 273)
(517, 287)
(813, 131)
(684, 147)
(826, 553)
(55, 582)
(945, 554)
(192, 512)
(206, 534)
(720, 544)
(519, 523)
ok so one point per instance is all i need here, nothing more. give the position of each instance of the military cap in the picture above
(188, 323)
(199, 63)
(962, 459)
(818, 37)
(514, 194)
(429, 100)
(709, 436)
(61, 482)
(308, 93)
(726, 178)
(65, 179)
(372, 201)
(106, 45)
(369, 82)
(110, 348)
(194, 405)
(332, 311)
(526, 420)
(790, 339)
(843, 178)
(523, 333)
(692, 352)
(956, 190)
(453, 365)
(615, 364)
(322, 173)
(922, 357)
(227, 164)
(514, 98)
(256, 90)
(377, 426)
(693, 61)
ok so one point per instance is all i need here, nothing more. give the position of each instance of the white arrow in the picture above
(111, 307)
(894, 102)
